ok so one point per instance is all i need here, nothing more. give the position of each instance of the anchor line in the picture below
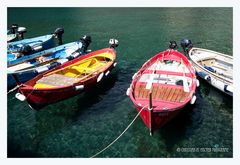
(13, 89)
(120, 134)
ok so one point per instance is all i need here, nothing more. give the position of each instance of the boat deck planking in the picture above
(161, 93)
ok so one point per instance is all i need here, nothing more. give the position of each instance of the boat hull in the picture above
(165, 84)
(214, 81)
(40, 97)
(211, 77)
(59, 53)
(37, 43)
(37, 99)
(158, 118)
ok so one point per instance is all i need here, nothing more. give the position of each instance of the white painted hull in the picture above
(216, 68)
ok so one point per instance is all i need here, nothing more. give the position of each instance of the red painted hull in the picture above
(38, 98)
(159, 118)
(167, 99)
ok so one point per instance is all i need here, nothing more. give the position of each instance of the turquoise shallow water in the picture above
(83, 125)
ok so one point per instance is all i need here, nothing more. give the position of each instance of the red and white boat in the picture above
(69, 79)
(162, 87)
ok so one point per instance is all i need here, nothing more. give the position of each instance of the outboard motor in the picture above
(172, 44)
(21, 31)
(58, 33)
(86, 40)
(186, 44)
(113, 43)
(14, 28)
(26, 50)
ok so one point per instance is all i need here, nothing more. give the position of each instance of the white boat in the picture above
(214, 67)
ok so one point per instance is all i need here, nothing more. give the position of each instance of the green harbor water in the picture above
(83, 125)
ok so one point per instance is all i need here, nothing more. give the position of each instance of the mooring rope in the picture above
(16, 87)
(120, 134)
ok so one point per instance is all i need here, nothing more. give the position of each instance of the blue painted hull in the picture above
(37, 44)
(64, 52)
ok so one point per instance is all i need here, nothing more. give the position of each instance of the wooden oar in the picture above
(41, 55)
(41, 64)
(45, 54)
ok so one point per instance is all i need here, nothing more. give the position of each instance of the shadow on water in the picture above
(177, 129)
(59, 115)
(14, 150)
(216, 97)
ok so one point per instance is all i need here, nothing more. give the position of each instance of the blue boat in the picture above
(30, 66)
(32, 45)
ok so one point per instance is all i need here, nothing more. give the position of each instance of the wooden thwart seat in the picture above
(161, 93)
(58, 80)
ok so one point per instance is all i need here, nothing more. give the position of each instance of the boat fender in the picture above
(74, 55)
(106, 74)
(62, 61)
(20, 96)
(41, 69)
(79, 87)
(201, 74)
(208, 78)
(210, 69)
(37, 48)
(115, 63)
(128, 91)
(197, 82)
(133, 77)
(193, 99)
(228, 88)
(100, 77)
(53, 65)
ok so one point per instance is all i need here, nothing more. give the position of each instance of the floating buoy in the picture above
(20, 96)
(115, 63)
(79, 87)
(107, 73)
(193, 99)
(100, 77)
(128, 91)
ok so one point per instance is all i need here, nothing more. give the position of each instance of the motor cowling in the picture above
(172, 44)
(26, 50)
(21, 31)
(186, 44)
(58, 33)
(113, 43)
(14, 28)
(86, 40)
